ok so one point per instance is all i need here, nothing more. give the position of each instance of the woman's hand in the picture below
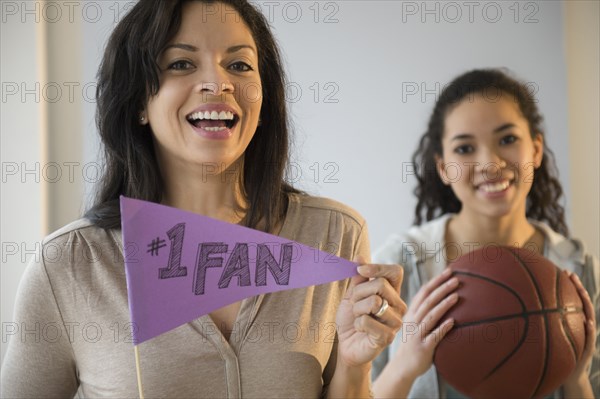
(367, 320)
(362, 332)
(418, 337)
(578, 384)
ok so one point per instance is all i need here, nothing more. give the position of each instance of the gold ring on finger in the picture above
(384, 307)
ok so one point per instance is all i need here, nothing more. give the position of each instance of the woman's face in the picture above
(208, 105)
(489, 155)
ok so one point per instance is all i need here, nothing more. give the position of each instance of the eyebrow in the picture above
(499, 129)
(189, 47)
(462, 136)
(504, 127)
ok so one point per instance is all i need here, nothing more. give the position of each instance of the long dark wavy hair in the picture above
(435, 198)
(129, 75)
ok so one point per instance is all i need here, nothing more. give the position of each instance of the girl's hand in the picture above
(418, 336)
(578, 384)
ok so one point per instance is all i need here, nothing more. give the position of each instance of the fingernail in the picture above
(362, 269)
(446, 272)
(453, 281)
(349, 293)
(449, 323)
(357, 259)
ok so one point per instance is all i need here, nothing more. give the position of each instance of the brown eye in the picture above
(509, 139)
(240, 66)
(464, 149)
(180, 65)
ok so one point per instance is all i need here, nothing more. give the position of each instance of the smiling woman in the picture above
(491, 144)
(192, 114)
(503, 190)
(205, 71)
(186, 68)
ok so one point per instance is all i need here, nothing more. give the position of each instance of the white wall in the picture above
(375, 55)
(582, 20)
(21, 153)
(362, 58)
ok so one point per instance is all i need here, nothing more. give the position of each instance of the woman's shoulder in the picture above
(75, 259)
(328, 225)
(76, 244)
(81, 226)
(84, 231)
(313, 206)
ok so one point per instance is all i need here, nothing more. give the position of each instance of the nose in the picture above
(216, 88)
(490, 162)
(214, 81)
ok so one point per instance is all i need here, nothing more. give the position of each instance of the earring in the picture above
(142, 119)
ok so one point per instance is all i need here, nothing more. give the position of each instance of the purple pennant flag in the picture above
(181, 265)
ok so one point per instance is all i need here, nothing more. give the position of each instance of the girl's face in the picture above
(208, 105)
(489, 155)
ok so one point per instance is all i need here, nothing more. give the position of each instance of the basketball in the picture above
(519, 325)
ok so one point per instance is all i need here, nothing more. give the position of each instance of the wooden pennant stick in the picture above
(137, 369)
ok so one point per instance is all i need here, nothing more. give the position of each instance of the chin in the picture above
(497, 212)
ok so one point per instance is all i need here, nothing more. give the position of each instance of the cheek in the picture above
(527, 170)
(524, 162)
(455, 173)
(169, 98)
(457, 170)
(250, 95)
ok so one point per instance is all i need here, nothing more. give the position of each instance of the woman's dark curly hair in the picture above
(129, 75)
(435, 198)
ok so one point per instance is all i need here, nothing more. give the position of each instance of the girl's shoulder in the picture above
(563, 249)
(418, 242)
(571, 254)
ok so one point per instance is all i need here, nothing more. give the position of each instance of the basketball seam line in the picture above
(564, 326)
(526, 327)
(523, 315)
(545, 318)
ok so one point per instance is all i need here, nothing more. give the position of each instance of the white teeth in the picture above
(215, 129)
(495, 187)
(214, 115)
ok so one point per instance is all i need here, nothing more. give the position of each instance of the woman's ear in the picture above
(538, 150)
(142, 118)
(441, 169)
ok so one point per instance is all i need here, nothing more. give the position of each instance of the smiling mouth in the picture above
(213, 121)
(495, 187)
